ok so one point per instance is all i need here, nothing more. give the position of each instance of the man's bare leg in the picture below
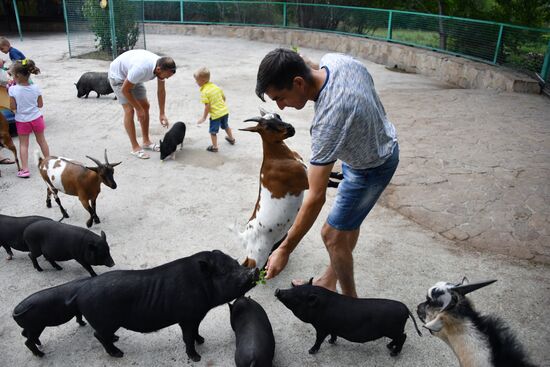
(340, 245)
(144, 103)
(129, 126)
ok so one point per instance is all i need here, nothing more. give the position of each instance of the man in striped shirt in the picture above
(350, 124)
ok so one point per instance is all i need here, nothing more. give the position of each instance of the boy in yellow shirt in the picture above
(214, 104)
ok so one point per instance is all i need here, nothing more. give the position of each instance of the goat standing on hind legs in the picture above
(73, 178)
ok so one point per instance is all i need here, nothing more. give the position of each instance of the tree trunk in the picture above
(442, 35)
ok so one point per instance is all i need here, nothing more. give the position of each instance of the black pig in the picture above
(355, 319)
(180, 292)
(172, 138)
(62, 242)
(93, 81)
(253, 332)
(11, 232)
(49, 307)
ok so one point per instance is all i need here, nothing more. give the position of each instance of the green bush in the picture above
(126, 25)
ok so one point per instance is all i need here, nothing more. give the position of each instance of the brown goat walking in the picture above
(5, 139)
(73, 178)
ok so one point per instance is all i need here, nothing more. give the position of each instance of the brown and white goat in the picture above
(5, 139)
(73, 178)
(283, 179)
(476, 340)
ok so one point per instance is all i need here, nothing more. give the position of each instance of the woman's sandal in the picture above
(6, 161)
(212, 149)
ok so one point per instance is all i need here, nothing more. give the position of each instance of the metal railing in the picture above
(521, 48)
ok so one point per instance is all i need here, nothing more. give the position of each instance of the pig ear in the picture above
(103, 236)
(312, 300)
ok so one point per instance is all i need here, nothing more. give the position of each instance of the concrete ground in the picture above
(465, 154)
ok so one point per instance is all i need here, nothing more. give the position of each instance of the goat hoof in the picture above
(65, 215)
(96, 220)
(313, 350)
(48, 204)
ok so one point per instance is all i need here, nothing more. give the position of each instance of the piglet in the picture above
(11, 232)
(49, 307)
(61, 242)
(253, 332)
(355, 319)
(93, 81)
(172, 138)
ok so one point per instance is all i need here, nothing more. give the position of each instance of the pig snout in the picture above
(255, 274)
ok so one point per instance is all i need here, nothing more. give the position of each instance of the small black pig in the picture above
(355, 319)
(93, 81)
(11, 232)
(62, 242)
(180, 292)
(253, 332)
(49, 307)
(172, 138)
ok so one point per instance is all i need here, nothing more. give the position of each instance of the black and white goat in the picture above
(477, 340)
(74, 178)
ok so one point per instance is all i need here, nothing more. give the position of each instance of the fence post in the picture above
(497, 49)
(544, 73)
(17, 20)
(284, 15)
(181, 11)
(67, 26)
(143, 24)
(390, 15)
(112, 26)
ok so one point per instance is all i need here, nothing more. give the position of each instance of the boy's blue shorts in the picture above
(359, 191)
(217, 123)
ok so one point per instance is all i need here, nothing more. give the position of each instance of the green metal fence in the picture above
(521, 48)
(103, 28)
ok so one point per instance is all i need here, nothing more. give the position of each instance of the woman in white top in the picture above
(26, 101)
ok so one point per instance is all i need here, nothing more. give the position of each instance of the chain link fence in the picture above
(521, 48)
(103, 29)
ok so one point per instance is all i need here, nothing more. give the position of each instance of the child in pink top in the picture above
(26, 100)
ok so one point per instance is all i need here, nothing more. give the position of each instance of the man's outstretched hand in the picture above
(276, 262)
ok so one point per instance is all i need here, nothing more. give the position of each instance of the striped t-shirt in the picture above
(213, 95)
(350, 122)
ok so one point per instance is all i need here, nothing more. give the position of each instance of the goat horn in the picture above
(99, 164)
(255, 119)
(467, 288)
(106, 160)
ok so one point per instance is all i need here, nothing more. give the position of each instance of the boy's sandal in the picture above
(6, 161)
(140, 154)
(212, 149)
(24, 173)
(231, 141)
(153, 146)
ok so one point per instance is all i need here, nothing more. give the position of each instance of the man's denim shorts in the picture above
(217, 123)
(359, 191)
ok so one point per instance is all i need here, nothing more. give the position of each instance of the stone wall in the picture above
(455, 70)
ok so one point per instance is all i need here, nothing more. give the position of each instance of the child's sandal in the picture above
(212, 149)
(24, 173)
